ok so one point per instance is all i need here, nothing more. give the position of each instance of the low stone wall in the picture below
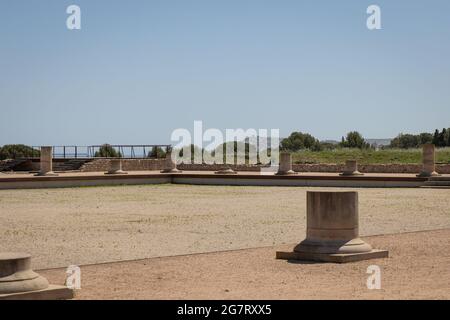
(216, 167)
(158, 164)
(27, 165)
(369, 168)
(127, 165)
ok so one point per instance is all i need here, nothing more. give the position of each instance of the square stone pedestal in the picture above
(53, 292)
(336, 258)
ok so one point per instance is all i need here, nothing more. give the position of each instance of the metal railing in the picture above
(107, 151)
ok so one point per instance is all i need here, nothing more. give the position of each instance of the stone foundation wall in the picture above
(216, 167)
(127, 165)
(25, 166)
(370, 168)
(158, 164)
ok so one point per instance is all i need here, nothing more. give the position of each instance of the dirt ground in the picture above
(418, 268)
(82, 226)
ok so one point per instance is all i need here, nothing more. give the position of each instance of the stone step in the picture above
(70, 165)
(439, 178)
(10, 165)
(435, 187)
(443, 181)
(437, 183)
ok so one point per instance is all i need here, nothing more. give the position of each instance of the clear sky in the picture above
(137, 70)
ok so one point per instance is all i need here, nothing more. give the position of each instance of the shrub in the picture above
(107, 151)
(298, 141)
(14, 151)
(157, 152)
(354, 140)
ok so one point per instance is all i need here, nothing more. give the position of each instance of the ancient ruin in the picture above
(351, 169)
(332, 232)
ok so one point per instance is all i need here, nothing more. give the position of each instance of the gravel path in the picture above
(102, 224)
(418, 268)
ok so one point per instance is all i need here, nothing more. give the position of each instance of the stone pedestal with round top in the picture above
(428, 161)
(46, 162)
(351, 169)
(115, 167)
(19, 282)
(285, 167)
(332, 232)
(170, 166)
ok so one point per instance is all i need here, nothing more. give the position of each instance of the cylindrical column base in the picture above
(46, 162)
(428, 161)
(351, 169)
(285, 167)
(170, 165)
(116, 167)
(16, 274)
(226, 171)
(332, 224)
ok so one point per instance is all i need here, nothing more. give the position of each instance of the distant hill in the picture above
(379, 142)
(330, 141)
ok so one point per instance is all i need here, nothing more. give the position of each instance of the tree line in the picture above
(296, 141)
(300, 141)
(440, 139)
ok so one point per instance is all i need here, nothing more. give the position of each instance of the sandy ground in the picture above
(81, 226)
(418, 268)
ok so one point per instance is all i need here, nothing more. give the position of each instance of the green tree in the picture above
(157, 152)
(298, 141)
(107, 151)
(435, 140)
(14, 151)
(424, 138)
(237, 147)
(354, 140)
(443, 138)
(194, 150)
(405, 141)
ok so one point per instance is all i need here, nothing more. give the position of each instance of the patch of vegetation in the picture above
(157, 152)
(368, 156)
(14, 151)
(107, 151)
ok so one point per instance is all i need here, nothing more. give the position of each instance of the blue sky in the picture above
(137, 70)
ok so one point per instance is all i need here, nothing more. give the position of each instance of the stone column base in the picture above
(351, 173)
(332, 257)
(18, 281)
(286, 173)
(226, 171)
(116, 172)
(46, 174)
(53, 292)
(356, 245)
(171, 171)
(425, 174)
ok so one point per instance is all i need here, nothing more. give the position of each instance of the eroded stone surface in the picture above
(332, 228)
(428, 159)
(46, 162)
